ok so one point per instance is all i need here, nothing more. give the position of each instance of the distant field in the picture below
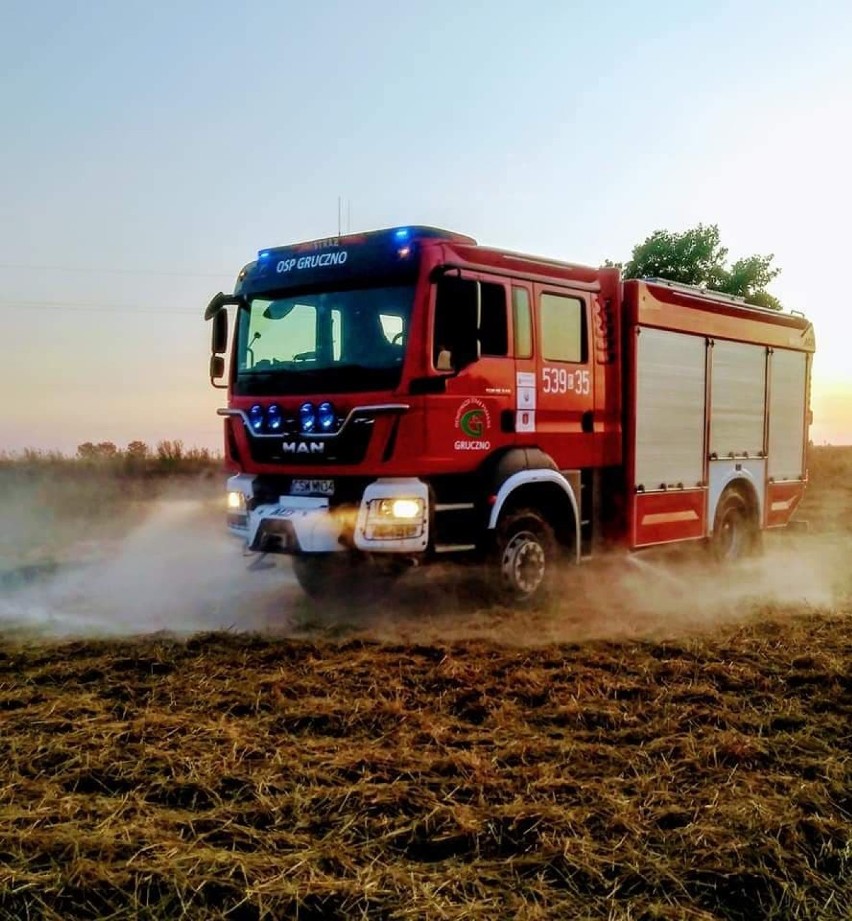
(828, 501)
(686, 755)
(55, 511)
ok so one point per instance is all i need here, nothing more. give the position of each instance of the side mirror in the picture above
(217, 370)
(220, 300)
(219, 337)
(219, 344)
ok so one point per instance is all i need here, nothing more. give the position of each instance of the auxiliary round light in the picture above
(256, 417)
(325, 416)
(274, 419)
(406, 508)
(307, 417)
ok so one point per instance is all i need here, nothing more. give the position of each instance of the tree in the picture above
(106, 449)
(170, 452)
(697, 257)
(103, 450)
(749, 277)
(137, 450)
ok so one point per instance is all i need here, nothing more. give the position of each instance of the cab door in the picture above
(565, 383)
(523, 350)
(472, 417)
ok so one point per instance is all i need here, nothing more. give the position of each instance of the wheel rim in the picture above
(523, 563)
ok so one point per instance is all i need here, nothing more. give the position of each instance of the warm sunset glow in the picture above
(133, 192)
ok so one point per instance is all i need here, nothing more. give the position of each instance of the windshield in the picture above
(329, 341)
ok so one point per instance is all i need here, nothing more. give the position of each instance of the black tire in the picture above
(736, 535)
(341, 578)
(526, 557)
(319, 575)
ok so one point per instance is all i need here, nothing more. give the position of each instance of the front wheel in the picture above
(320, 575)
(526, 557)
(343, 579)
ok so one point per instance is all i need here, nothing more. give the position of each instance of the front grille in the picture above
(349, 447)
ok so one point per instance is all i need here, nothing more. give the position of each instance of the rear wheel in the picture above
(526, 557)
(735, 531)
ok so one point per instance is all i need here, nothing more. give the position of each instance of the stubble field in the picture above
(666, 741)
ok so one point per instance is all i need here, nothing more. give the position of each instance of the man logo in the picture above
(303, 447)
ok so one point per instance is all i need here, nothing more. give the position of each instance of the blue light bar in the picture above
(256, 417)
(325, 416)
(274, 420)
(307, 417)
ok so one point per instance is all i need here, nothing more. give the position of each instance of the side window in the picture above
(493, 325)
(522, 317)
(454, 345)
(458, 339)
(563, 328)
(336, 323)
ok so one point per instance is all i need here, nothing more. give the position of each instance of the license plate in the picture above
(312, 488)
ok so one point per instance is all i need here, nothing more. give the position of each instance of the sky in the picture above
(149, 150)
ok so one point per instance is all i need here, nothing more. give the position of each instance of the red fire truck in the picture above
(407, 395)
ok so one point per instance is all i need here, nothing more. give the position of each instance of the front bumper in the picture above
(309, 524)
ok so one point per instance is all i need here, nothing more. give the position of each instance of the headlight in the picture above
(396, 508)
(236, 501)
(395, 519)
(393, 516)
(407, 508)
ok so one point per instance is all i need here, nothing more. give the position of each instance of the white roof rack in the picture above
(735, 300)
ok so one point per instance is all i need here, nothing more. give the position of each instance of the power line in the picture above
(111, 271)
(100, 308)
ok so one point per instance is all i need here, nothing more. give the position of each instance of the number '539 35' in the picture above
(561, 380)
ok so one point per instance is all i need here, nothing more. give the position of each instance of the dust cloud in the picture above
(177, 570)
(665, 593)
(653, 594)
